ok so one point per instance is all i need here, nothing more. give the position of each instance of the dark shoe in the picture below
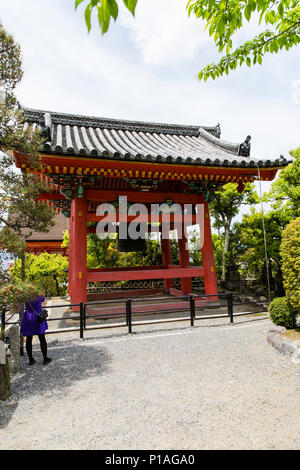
(31, 362)
(47, 360)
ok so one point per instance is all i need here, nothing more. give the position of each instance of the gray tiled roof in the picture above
(55, 233)
(141, 141)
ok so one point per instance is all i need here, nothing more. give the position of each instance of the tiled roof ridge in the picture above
(37, 116)
(71, 134)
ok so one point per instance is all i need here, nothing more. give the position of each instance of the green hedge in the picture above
(290, 255)
(282, 313)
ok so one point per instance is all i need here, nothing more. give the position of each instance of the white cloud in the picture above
(163, 32)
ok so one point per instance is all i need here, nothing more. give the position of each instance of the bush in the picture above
(282, 313)
(290, 255)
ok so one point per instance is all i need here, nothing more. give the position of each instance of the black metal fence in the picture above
(192, 312)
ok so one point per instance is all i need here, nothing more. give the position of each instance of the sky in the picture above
(145, 68)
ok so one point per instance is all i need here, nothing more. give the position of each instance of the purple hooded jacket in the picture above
(30, 325)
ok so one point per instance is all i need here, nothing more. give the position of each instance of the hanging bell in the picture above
(128, 244)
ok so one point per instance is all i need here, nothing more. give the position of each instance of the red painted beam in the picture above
(139, 274)
(123, 294)
(79, 165)
(51, 197)
(173, 218)
(131, 268)
(137, 196)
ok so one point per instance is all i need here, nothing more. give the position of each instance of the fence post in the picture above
(128, 315)
(230, 306)
(192, 309)
(81, 319)
(84, 317)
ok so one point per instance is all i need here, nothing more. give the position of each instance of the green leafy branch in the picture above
(106, 9)
(224, 18)
(252, 52)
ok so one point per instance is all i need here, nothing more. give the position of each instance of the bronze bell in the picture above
(128, 244)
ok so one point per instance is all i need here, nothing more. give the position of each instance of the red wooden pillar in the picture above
(186, 283)
(78, 255)
(166, 256)
(71, 224)
(208, 261)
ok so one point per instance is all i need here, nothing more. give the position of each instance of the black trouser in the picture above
(43, 344)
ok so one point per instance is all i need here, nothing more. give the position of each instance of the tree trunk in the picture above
(57, 286)
(225, 250)
(23, 259)
(4, 381)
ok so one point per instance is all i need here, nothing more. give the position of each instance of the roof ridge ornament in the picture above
(47, 127)
(245, 147)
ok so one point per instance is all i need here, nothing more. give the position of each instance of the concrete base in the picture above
(288, 348)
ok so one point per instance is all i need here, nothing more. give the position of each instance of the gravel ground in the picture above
(214, 386)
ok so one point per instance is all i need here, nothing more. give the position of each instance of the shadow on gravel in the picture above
(69, 365)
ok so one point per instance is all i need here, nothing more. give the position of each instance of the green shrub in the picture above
(282, 313)
(290, 255)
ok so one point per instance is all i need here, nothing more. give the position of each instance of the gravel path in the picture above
(214, 386)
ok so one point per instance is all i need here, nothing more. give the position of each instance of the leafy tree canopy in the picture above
(48, 271)
(224, 207)
(286, 188)
(251, 246)
(223, 18)
(13, 136)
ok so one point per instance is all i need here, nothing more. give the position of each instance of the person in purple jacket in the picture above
(31, 326)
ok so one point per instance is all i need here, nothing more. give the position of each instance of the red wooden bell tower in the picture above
(90, 161)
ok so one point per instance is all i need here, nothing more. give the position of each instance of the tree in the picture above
(13, 135)
(19, 209)
(224, 207)
(224, 18)
(49, 271)
(286, 188)
(251, 256)
(20, 213)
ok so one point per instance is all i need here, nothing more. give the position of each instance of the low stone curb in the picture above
(288, 348)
